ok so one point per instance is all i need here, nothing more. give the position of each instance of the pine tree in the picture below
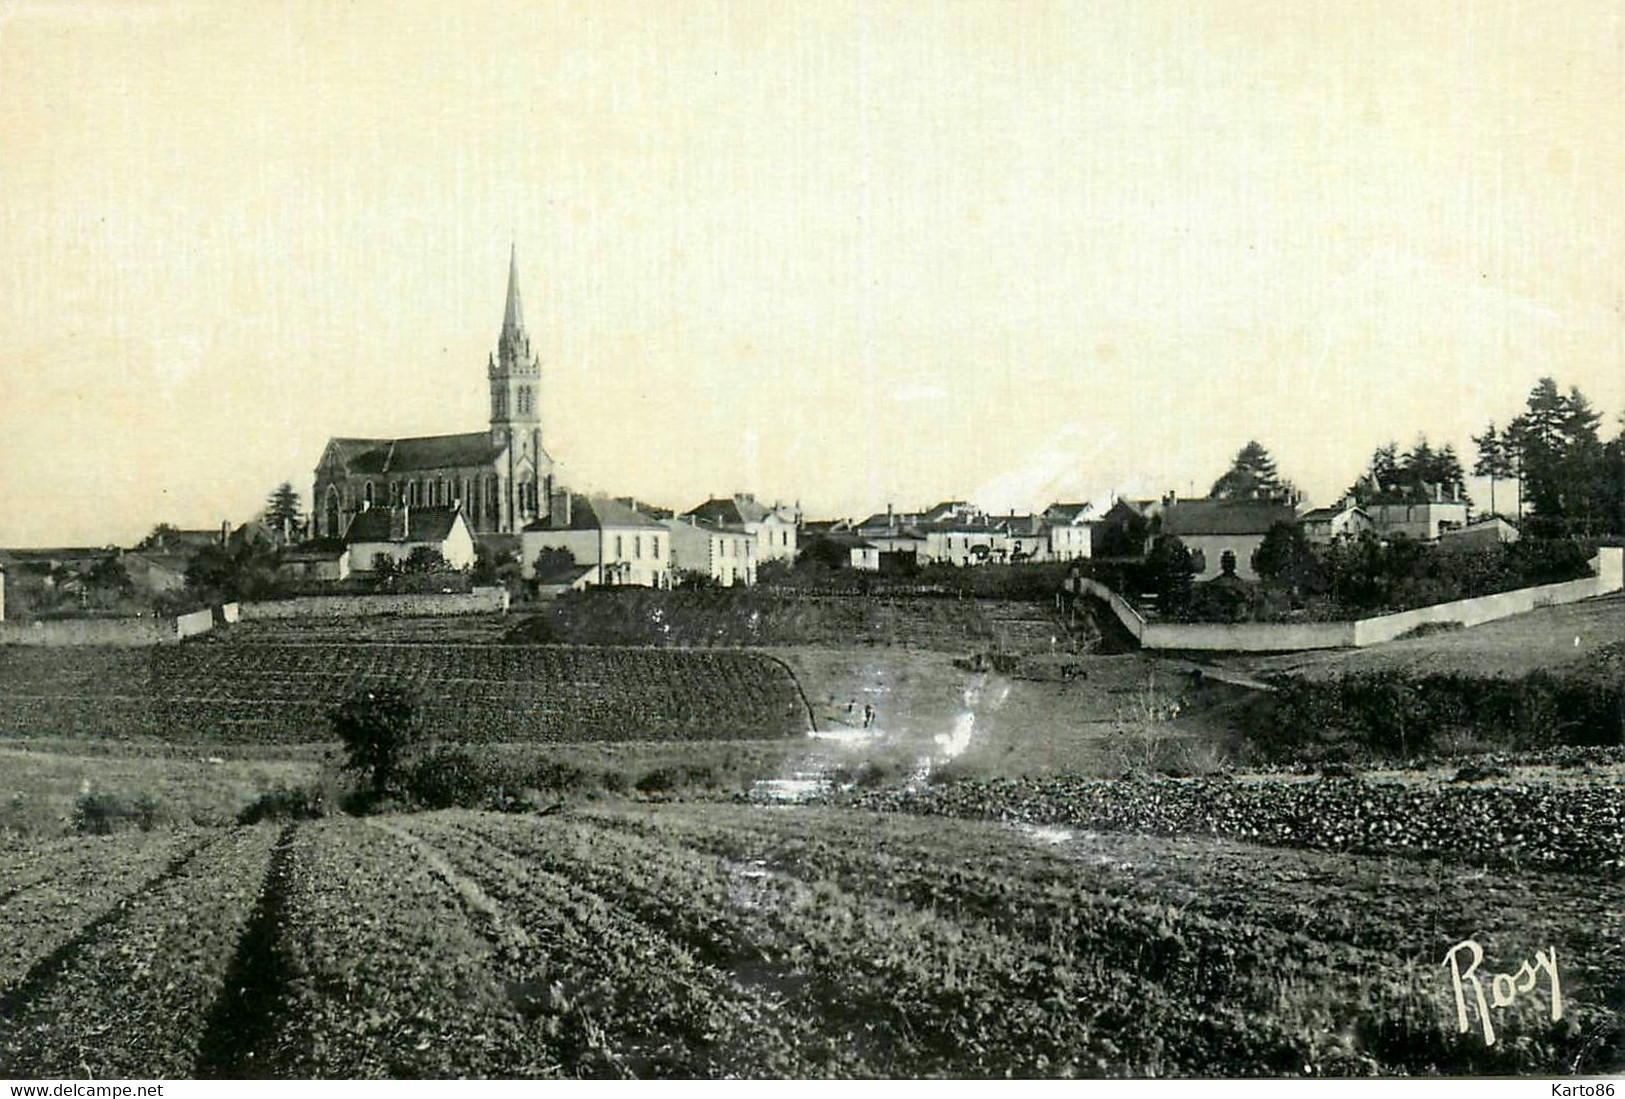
(1251, 476)
(282, 509)
(1493, 460)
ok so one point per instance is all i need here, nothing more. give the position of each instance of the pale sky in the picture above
(843, 253)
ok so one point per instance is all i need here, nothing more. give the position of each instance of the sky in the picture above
(841, 253)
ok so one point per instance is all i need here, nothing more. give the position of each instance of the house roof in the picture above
(742, 508)
(402, 524)
(1068, 513)
(845, 539)
(1197, 517)
(1326, 515)
(598, 513)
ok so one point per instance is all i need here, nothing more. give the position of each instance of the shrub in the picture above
(286, 803)
(99, 814)
(378, 727)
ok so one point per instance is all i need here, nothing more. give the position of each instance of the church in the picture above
(501, 478)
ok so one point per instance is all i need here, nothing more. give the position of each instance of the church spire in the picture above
(513, 318)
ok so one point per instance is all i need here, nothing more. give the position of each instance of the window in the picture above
(619, 551)
(637, 546)
(367, 494)
(784, 538)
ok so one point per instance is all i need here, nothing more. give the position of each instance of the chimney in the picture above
(891, 519)
(225, 531)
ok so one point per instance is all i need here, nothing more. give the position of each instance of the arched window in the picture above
(367, 494)
(332, 523)
(444, 499)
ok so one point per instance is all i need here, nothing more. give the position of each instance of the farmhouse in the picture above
(1222, 535)
(613, 543)
(394, 532)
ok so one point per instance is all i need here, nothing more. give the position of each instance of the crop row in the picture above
(917, 992)
(378, 972)
(471, 692)
(617, 994)
(1551, 827)
(51, 890)
(132, 994)
(1311, 942)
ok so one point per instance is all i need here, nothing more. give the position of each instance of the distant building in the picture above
(843, 549)
(325, 559)
(1484, 534)
(1423, 519)
(774, 527)
(726, 554)
(394, 532)
(1346, 521)
(1071, 531)
(500, 478)
(155, 573)
(610, 542)
(1221, 533)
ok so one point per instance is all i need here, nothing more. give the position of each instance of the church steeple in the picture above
(513, 319)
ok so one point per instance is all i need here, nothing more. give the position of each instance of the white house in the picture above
(1346, 521)
(774, 527)
(615, 544)
(725, 554)
(394, 532)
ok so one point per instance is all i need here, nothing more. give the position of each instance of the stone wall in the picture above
(479, 601)
(90, 631)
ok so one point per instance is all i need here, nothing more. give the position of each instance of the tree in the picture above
(1559, 458)
(1251, 476)
(1285, 556)
(378, 727)
(156, 537)
(109, 575)
(1494, 459)
(1168, 572)
(553, 562)
(425, 559)
(282, 509)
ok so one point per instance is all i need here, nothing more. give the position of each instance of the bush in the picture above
(1395, 715)
(98, 814)
(378, 726)
(286, 803)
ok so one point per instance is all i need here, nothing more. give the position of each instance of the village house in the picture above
(774, 527)
(1344, 522)
(725, 554)
(610, 543)
(1222, 535)
(1026, 537)
(1424, 515)
(325, 559)
(395, 532)
(1071, 529)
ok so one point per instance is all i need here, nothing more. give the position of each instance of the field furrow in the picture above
(918, 993)
(53, 890)
(629, 1002)
(133, 999)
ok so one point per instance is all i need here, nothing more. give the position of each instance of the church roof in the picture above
(473, 448)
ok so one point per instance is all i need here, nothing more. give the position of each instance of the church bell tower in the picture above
(515, 374)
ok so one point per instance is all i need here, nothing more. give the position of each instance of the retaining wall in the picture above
(1608, 567)
(479, 601)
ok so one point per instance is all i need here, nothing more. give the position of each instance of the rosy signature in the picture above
(1505, 988)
